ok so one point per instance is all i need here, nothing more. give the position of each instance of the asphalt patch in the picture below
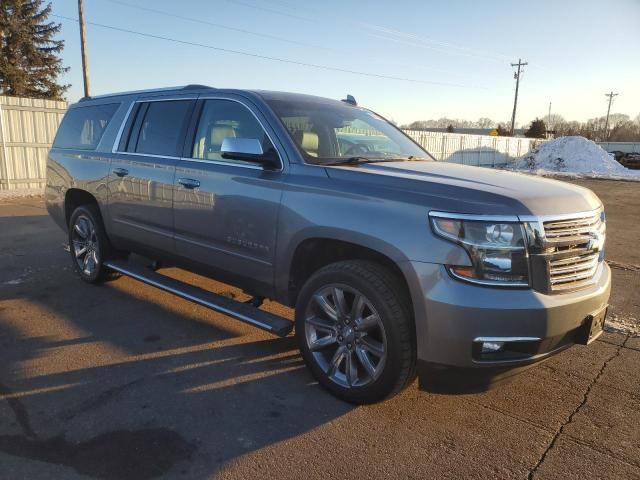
(121, 454)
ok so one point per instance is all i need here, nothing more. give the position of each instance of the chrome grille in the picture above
(573, 250)
(572, 230)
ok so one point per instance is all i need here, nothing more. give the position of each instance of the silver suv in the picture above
(397, 265)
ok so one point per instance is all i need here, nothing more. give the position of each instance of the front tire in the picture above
(356, 332)
(89, 245)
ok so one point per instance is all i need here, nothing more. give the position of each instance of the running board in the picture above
(242, 311)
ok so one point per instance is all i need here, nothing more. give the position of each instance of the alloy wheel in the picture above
(345, 335)
(86, 248)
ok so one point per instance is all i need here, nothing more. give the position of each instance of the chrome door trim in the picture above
(224, 163)
(114, 149)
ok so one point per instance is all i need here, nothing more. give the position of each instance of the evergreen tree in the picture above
(503, 131)
(450, 129)
(537, 129)
(29, 62)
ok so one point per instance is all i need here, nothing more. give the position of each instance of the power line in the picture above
(406, 38)
(217, 25)
(266, 57)
(342, 52)
(516, 75)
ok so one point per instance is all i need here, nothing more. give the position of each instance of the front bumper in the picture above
(451, 314)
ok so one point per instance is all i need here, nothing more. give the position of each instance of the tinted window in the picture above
(222, 119)
(82, 127)
(161, 128)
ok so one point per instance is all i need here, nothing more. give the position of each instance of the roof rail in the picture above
(144, 92)
(195, 86)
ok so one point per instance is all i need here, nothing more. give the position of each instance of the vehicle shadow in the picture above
(120, 381)
(136, 417)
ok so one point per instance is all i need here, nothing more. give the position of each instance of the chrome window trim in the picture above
(114, 149)
(121, 129)
(222, 162)
(226, 164)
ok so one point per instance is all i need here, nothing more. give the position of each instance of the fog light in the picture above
(492, 347)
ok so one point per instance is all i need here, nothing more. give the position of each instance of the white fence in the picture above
(27, 128)
(625, 147)
(478, 150)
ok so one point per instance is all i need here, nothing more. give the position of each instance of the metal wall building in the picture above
(27, 129)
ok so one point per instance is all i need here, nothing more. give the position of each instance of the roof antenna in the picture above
(350, 100)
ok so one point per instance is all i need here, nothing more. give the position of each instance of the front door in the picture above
(226, 211)
(142, 172)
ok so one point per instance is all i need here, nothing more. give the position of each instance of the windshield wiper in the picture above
(357, 160)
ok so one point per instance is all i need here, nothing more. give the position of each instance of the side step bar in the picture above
(242, 311)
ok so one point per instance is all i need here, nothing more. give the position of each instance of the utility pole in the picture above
(549, 122)
(606, 123)
(83, 48)
(516, 75)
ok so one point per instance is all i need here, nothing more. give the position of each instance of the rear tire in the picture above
(356, 332)
(89, 246)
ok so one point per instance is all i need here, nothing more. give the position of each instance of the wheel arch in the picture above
(75, 197)
(314, 252)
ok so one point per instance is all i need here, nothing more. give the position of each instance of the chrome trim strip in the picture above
(560, 216)
(180, 293)
(507, 339)
(141, 227)
(226, 164)
(121, 129)
(150, 155)
(522, 361)
(488, 283)
(475, 217)
(126, 118)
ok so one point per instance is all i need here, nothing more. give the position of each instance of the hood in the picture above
(465, 189)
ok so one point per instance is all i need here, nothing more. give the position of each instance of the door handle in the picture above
(189, 183)
(121, 172)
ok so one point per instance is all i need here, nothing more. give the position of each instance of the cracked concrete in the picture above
(585, 397)
(122, 381)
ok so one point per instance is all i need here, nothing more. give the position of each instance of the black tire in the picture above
(391, 303)
(100, 244)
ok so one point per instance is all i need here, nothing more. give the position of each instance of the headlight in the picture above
(496, 248)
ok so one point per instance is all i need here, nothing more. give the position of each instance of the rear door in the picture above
(225, 211)
(142, 171)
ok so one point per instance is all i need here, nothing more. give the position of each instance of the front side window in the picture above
(222, 119)
(330, 132)
(83, 127)
(161, 127)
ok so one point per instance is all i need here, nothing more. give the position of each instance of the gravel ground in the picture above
(122, 381)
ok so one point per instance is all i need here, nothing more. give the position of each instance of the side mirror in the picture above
(247, 150)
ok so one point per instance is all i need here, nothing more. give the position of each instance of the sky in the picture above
(423, 59)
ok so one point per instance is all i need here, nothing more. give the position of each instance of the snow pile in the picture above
(625, 325)
(574, 156)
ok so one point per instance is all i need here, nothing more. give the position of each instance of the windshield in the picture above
(328, 133)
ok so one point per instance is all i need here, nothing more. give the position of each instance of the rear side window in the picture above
(82, 127)
(160, 128)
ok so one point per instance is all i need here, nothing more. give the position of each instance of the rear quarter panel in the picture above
(86, 170)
